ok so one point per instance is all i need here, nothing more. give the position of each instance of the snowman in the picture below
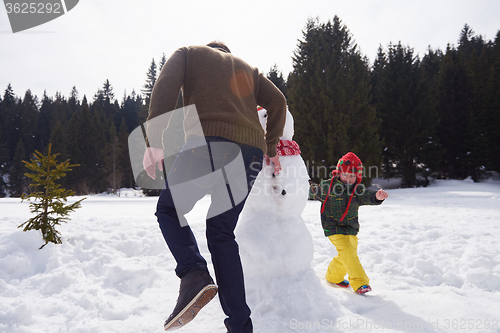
(276, 247)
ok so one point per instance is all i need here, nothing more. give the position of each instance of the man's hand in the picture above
(276, 162)
(153, 157)
(381, 195)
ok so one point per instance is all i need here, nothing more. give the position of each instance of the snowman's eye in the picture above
(265, 116)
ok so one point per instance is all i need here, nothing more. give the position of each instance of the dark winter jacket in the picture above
(336, 204)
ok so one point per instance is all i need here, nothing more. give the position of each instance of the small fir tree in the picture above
(51, 209)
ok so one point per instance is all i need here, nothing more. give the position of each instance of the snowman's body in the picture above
(276, 247)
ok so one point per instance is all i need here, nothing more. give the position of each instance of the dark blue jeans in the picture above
(219, 227)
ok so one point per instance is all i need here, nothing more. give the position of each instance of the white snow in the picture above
(432, 255)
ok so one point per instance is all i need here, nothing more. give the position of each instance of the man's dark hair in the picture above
(220, 46)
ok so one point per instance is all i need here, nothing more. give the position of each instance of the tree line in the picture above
(414, 118)
(92, 134)
(404, 116)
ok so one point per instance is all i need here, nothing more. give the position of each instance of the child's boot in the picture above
(363, 289)
(343, 284)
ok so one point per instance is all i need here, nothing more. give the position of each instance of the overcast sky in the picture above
(117, 39)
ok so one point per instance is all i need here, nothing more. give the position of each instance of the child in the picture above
(341, 196)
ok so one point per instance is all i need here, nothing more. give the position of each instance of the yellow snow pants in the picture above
(346, 261)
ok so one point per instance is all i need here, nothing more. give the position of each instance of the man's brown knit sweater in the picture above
(225, 91)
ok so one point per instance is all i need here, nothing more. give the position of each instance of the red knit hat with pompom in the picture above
(350, 163)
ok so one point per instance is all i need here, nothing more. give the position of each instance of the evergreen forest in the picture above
(416, 118)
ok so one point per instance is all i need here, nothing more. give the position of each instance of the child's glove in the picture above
(381, 195)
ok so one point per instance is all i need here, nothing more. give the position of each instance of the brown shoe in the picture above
(196, 290)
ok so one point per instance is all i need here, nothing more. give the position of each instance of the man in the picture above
(225, 91)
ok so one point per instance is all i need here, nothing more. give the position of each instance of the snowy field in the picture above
(432, 254)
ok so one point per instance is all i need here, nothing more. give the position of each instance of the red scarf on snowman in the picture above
(287, 148)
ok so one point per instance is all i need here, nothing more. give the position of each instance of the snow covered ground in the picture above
(432, 254)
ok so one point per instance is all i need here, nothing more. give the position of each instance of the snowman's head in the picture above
(287, 130)
(262, 116)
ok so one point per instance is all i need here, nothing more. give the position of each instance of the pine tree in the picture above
(85, 144)
(276, 77)
(17, 181)
(44, 122)
(11, 121)
(28, 110)
(454, 107)
(473, 53)
(9, 99)
(4, 153)
(130, 111)
(3, 117)
(150, 81)
(61, 111)
(163, 61)
(110, 155)
(123, 158)
(99, 100)
(59, 140)
(469, 44)
(107, 91)
(73, 102)
(492, 106)
(51, 209)
(329, 96)
(100, 136)
(407, 124)
(105, 105)
(379, 65)
(432, 151)
(4, 158)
